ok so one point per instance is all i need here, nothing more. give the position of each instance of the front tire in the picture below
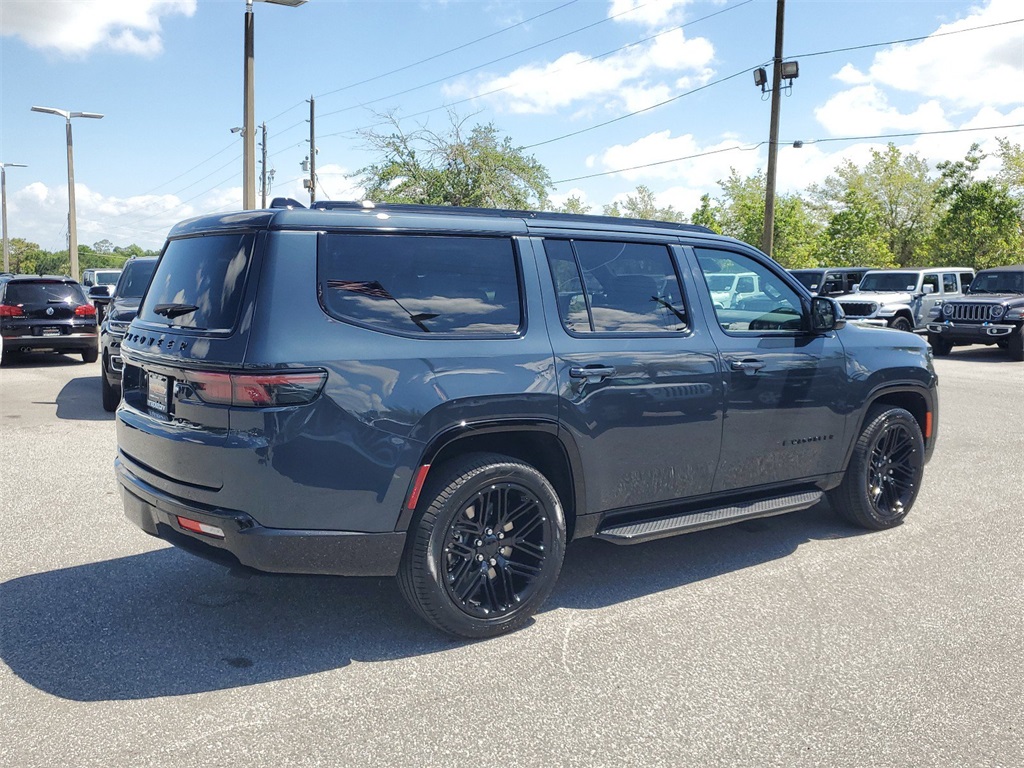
(111, 394)
(901, 323)
(885, 471)
(1015, 345)
(485, 547)
(940, 346)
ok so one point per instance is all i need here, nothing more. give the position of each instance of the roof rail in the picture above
(334, 205)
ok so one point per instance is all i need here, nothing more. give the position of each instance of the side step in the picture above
(663, 527)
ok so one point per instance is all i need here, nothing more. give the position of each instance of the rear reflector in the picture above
(85, 310)
(417, 486)
(261, 390)
(196, 527)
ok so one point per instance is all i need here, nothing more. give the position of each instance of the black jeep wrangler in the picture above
(451, 395)
(992, 312)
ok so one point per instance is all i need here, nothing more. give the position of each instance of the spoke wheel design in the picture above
(885, 470)
(485, 546)
(495, 550)
(892, 472)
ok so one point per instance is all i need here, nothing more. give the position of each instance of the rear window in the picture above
(421, 284)
(135, 279)
(107, 278)
(199, 283)
(43, 292)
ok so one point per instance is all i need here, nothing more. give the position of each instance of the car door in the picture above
(640, 390)
(785, 407)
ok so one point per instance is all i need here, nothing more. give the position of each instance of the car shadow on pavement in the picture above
(80, 400)
(165, 623)
(980, 354)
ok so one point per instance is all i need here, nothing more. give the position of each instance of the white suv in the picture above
(903, 298)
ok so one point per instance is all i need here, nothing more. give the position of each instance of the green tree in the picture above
(981, 224)
(894, 199)
(103, 246)
(474, 169)
(707, 214)
(854, 235)
(23, 255)
(644, 205)
(573, 205)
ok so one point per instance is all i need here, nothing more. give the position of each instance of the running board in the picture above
(662, 527)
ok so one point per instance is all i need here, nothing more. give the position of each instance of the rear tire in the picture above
(111, 394)
(90, 355)
(485, 547)
(885, 471)
(1015, 344)
(901, 324)
(940, 346)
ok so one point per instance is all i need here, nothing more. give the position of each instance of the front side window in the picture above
(930, 280)
(421, 284)
(616, 287)
(769, 305)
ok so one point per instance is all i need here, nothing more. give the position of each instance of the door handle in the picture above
(747, 366)
(592, 373)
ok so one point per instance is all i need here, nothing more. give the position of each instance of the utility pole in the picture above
(312, 151)
(263, 171)
(768, 238)
(248, 113)
(3, 205)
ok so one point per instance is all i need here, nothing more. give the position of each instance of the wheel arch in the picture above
(540, 444)
(916, 400)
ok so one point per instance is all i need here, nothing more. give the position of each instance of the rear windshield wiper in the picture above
(171, 311)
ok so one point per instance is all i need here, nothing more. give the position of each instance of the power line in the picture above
(740, 148)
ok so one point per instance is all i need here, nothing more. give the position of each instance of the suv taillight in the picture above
(259, 390)
(6, 310)
(85, 310)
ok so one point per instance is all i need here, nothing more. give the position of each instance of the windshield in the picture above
(809, 280)
(998, 282)
(720, 282)
(135, 279)
(889, 281)
(107, 278)
(199, 283)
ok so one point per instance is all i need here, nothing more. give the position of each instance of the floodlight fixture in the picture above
(790, 70)
(760, 78)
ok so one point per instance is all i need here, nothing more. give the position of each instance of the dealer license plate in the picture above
(50, 332)
(157, 392)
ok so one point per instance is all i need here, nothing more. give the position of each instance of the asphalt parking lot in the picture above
(791, 641)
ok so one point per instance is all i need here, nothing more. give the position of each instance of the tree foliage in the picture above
(474, 169)
(643, 205)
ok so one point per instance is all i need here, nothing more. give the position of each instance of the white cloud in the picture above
(965, 70)
(125, 26)
(702, 172)
(628, 77)
(865, 110)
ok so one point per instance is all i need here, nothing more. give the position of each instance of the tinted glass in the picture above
(418, 284)
(809, 280)
(933, 281)
(772, 306)
(998, 282)
(107, 278)
(949, 284)
(889, 281)
(135, 279)
(199, 283)
(628, 287)
(43, 292)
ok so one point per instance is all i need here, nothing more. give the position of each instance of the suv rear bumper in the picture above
(246, 543)
(62, 343)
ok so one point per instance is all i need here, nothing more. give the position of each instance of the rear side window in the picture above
(613, 287)
(199, 283)
(421, 284)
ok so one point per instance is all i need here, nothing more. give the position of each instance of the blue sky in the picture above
(167, 75)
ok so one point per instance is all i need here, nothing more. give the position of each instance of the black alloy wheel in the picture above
(485, 548)
(901, 323)
(885, 471)
(940, 346)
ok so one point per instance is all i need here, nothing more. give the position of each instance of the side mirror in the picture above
(826, 315)
(856, 288)
(926, 289)
(99, 293)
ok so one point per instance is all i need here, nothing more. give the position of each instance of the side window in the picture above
(615, 287)
(774, 306)
(932, 280)
(965, 280)
(419, 284)
(949, 283)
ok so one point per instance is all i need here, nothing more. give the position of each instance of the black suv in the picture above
(46, 313)
(833, 281)
(451, 395)
(124, 305)
(992, 312)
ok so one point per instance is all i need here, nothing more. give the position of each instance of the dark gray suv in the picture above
(450, 395)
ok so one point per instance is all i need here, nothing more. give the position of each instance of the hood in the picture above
(881, 297)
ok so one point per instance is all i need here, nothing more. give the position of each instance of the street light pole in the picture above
(3, 206)
(72, 224)
(249, 105)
